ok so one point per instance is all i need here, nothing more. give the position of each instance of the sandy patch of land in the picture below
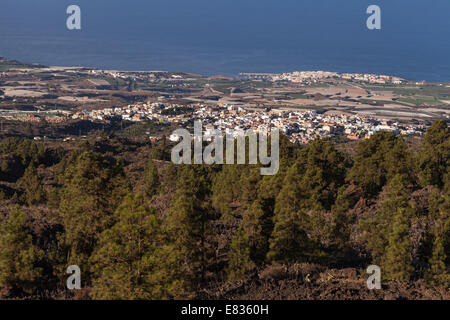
(60, 69)
(79, 99)
(99, 82)
(22, 93)
(435, 110)
(383, 95)
(352, 92)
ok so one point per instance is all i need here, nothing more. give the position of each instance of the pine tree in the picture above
(93, 189)
(270, 186)
(435, 203)
(127, 255)
(151, 179)
(161, 151)
(342, 220)
(445, 222)
(434, 157)
(188, 228)
(309, 190)
(437, 274)
(439, 208)
(323, 169)
(19, 272)
(379, 227)
(240, 262)
(32, 184)
(170, 178)
(289, 241)
(397, 259)
(378, 160)
(226, 190)
(250, 245)
(249, 186)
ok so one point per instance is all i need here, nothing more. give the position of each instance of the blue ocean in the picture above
(212, 37)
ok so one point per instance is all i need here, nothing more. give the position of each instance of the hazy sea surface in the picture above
(231, 36)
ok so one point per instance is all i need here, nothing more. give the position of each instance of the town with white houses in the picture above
(309, 77)
(301, 126)
(303, 105)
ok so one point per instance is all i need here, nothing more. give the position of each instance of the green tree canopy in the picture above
(379, 159)
(397, 258)
(32, 185)
(379, 228)
(126, 257)
(437, 274)
(188, 226)
(434, 157)
(93, 188)
(152, 182)
(250, 245)
(19, 258)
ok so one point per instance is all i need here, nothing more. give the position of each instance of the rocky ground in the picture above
(307, 282)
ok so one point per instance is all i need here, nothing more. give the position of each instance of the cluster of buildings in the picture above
(297, 126)
(305, 77)
(135, 75)
(309, 77)
(135, 113)
(303, 126)
(373, 78)
(54, 116)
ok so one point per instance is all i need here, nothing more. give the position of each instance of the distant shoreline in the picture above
(204, 75)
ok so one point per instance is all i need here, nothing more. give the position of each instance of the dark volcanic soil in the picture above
(283, 283)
